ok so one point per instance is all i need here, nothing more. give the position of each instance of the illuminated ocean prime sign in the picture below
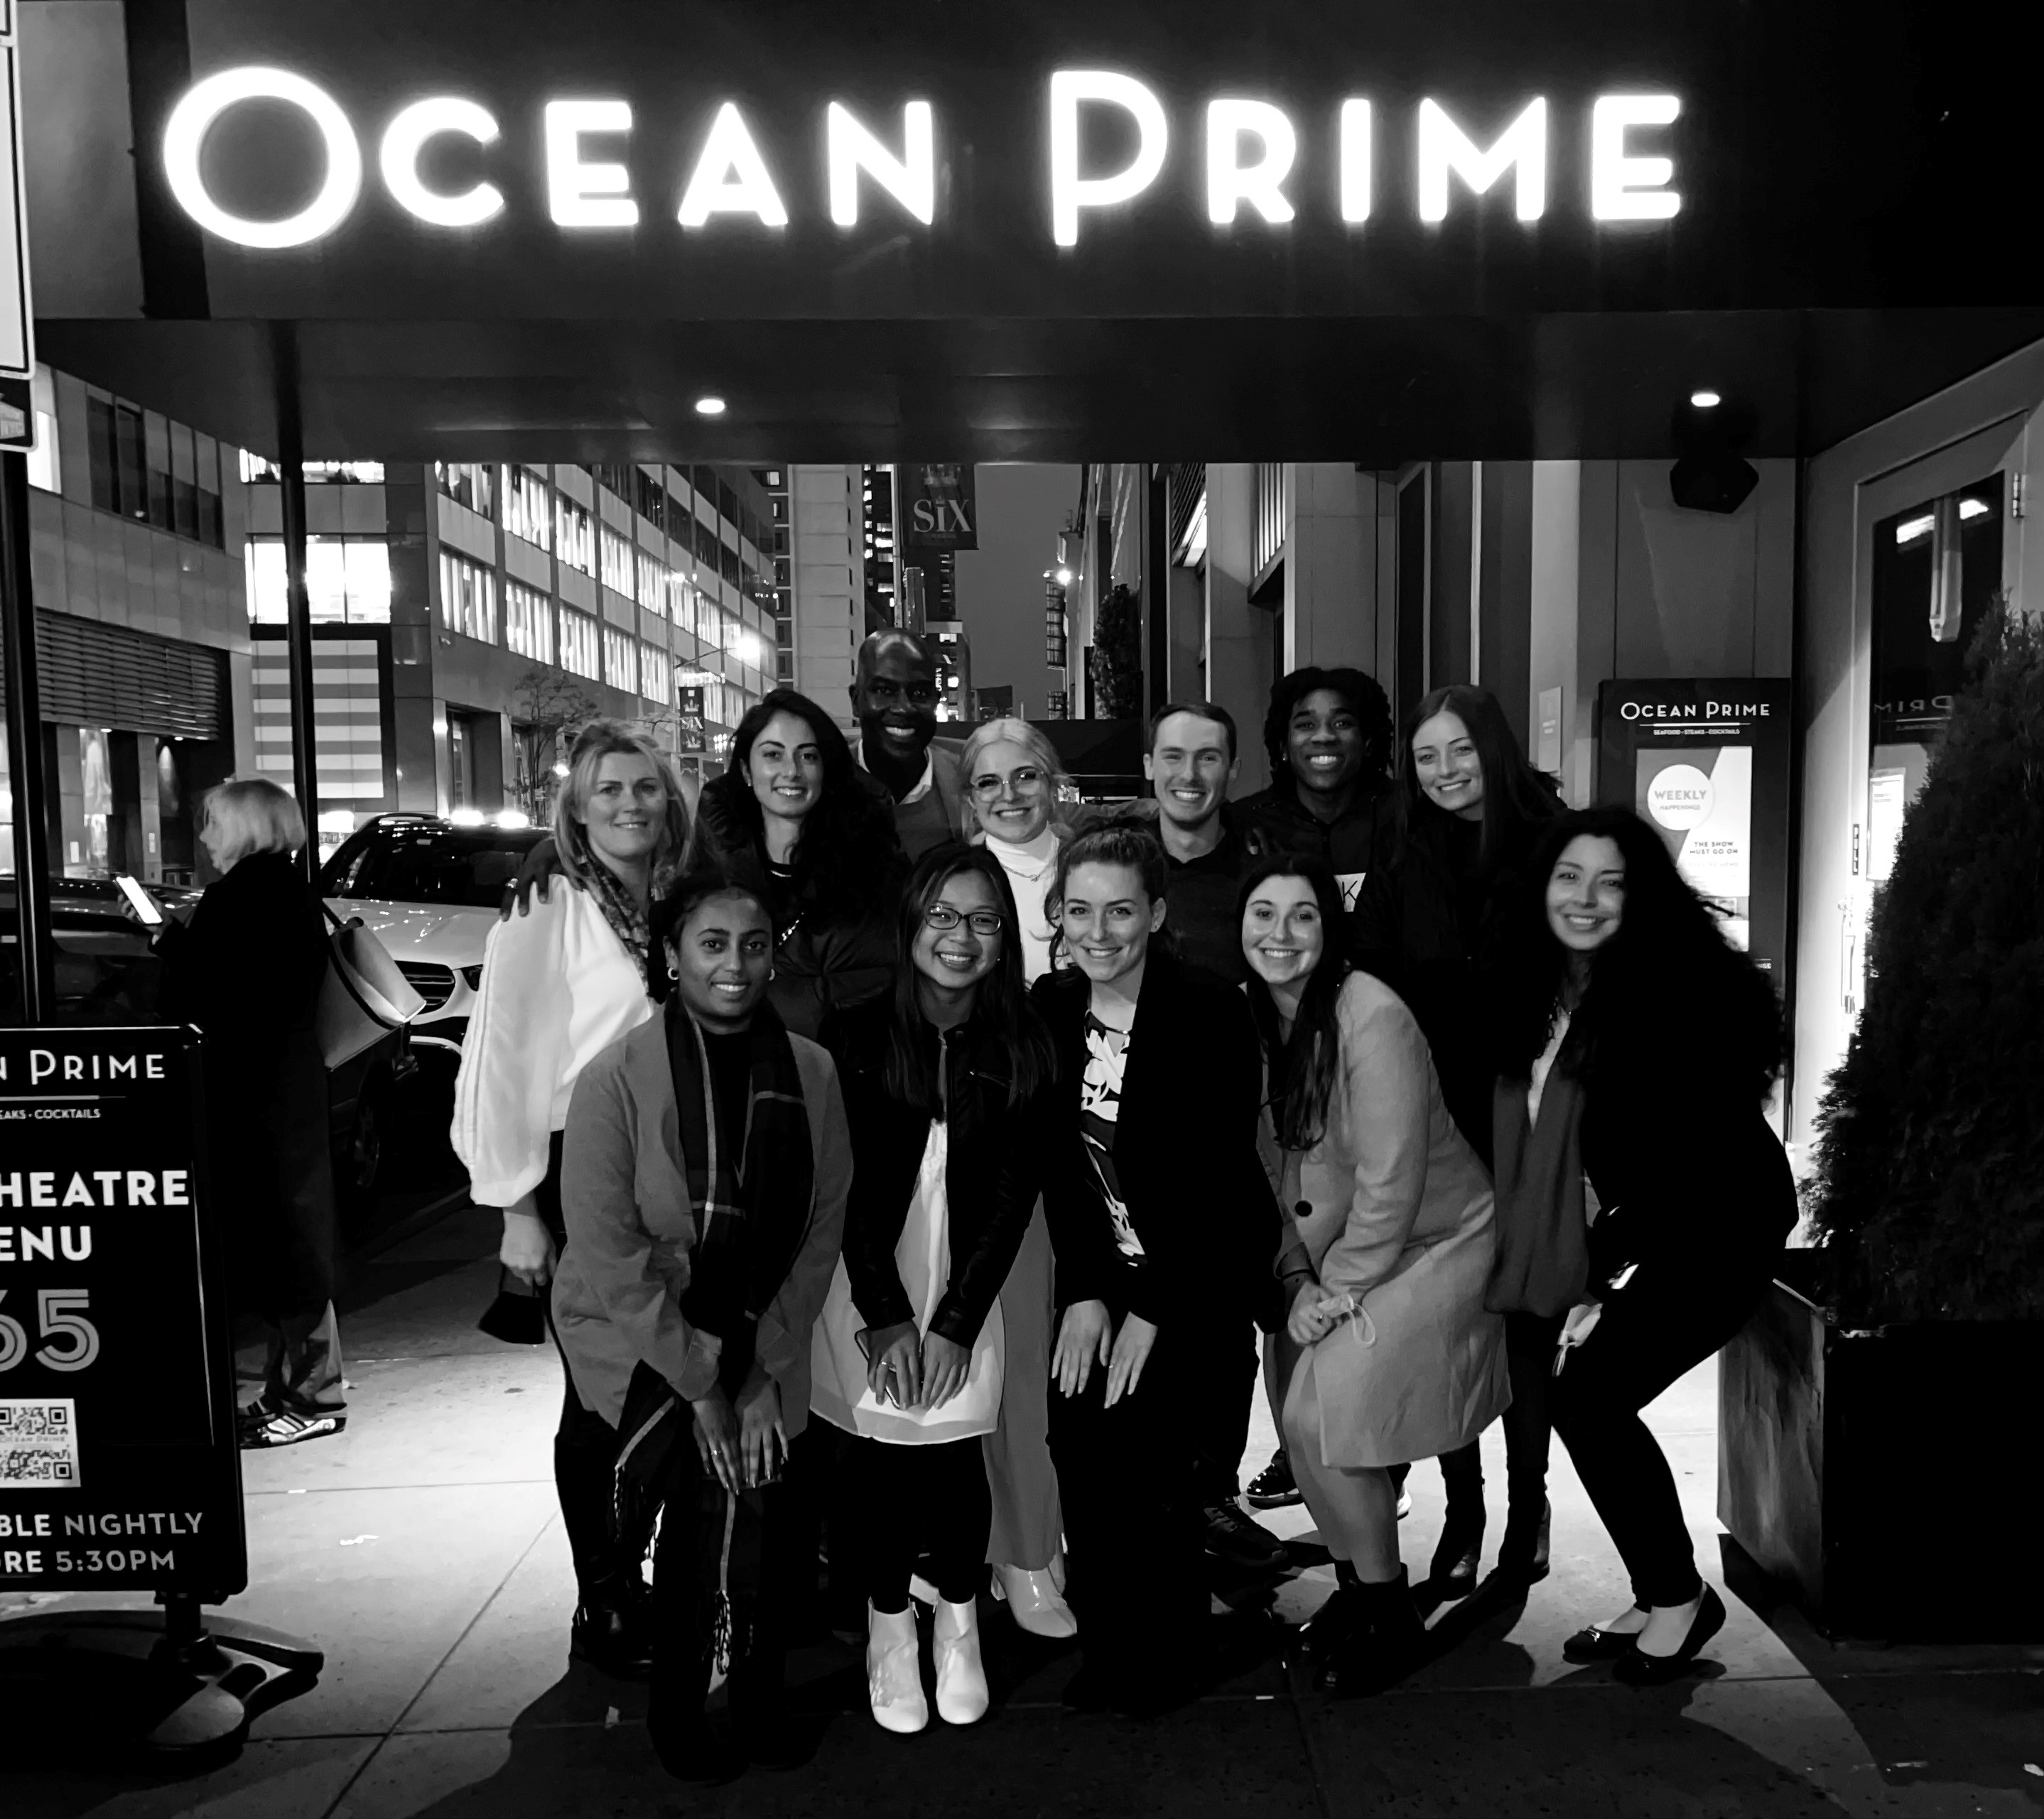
(1250, 148)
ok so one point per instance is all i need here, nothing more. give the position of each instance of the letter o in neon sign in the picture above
(194, 118)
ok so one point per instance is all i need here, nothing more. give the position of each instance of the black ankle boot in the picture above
(612, 1627)
(1522, 1556)
(1459, 1555)
(1322, 1633)
(764, 1727)
(690, 1746)
(1386, 1646)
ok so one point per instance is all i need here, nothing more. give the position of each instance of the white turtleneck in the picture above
(1031, 866)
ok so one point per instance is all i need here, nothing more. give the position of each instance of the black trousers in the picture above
(1222, 1436)
(1128, 1477)
(1529, 1356)
(916, 1503)
(1664, 1322)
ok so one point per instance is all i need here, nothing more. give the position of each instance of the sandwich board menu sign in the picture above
(119, 1469)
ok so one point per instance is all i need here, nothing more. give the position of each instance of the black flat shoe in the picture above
(1523, 1554)
(1591, 1643)
(1636, 1668)
(1456, 1560)
(1232, 1536)
(1273, 1487)
(610, 1633)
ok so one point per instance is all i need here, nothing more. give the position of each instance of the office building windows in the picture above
(655, 675)
(347, 580)
(653, 579)
(256, 468)
(469, 483)
(527, 513)
(580, 647)
(649, 497)
(617, 563)
(621, 659)
(529, 622)
(468, 598)
(574, 535)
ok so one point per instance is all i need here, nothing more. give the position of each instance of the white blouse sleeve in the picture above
(516, 1055)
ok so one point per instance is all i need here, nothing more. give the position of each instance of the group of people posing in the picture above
(915, 1160)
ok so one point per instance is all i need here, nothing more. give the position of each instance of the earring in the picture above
(673, 972)
(770, 976)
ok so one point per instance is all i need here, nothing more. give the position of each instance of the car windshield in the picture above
(423, 864)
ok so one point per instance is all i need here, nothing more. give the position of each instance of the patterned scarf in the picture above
(628, 921)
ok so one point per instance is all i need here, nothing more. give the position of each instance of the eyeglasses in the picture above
(980, 921)
(988, 785)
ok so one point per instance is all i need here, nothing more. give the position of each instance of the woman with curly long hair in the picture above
(822, 832)
(1622, 1005)
(1388, 1354)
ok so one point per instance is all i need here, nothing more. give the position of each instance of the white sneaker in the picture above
(894, 1672)
(1040, 1607)
(961, 1679)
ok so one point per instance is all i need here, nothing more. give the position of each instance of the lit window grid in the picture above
(581, 647)
(574, 536)
(655, 674)
(655, 584)
(528, 515)
(529, 622)
(468, 598)
(347, 580)
(617, 563)
(620, 660)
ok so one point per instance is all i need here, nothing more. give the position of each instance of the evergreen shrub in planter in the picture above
(1879, 1417)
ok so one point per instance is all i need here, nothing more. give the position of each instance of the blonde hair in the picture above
(253, 815)
(598, 740)
(1009, 732)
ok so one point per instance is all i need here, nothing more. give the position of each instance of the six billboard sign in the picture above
(940, 505)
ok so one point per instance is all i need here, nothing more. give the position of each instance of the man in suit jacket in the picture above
(894, 700)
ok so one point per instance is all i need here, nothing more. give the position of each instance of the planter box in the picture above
(1887, 1477)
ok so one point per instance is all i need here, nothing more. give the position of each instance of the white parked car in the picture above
(429, 889)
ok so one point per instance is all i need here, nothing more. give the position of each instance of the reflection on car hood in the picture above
(452, 934)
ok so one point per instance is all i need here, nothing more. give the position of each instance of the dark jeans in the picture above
(1129, 1481)
(1529, 1355)
(290, 1362)
(1662, 1324)
(918, 1502)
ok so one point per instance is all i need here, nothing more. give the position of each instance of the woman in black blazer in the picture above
(1165, 1227)
(1636, 1036)
(945, 1082)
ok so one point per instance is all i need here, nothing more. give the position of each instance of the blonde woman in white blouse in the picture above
(1013, 778)
(560, 985)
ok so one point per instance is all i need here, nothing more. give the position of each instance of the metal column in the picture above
(291, 459)
(25, 779)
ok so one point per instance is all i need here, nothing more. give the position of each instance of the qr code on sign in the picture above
(39, 1443)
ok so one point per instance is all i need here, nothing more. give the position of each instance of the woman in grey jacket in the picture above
(705, 1170)
(1388, 1249)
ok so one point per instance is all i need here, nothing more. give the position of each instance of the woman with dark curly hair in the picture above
(823, 833)
(1469, 810)
(1622, 1003)
(1328, 734)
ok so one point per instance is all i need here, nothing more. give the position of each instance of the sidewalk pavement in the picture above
(422, 1550)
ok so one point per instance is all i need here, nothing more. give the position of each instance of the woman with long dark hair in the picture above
(945, 1083)
(1163, 1224)
(1387, 1353)
(704, 1171)
(1623, 1000)
(1471, 810)
(823, 831)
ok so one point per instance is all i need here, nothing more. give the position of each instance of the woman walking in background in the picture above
(1012, 781)
(1163, 1224)
(1606, 948)
(560, 984)
(822, 832)
(706, 1167)
(1471, 810)
(943, 1083)
(1393, 1357)
(266, 1103)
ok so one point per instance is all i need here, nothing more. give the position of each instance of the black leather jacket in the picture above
(991, 1176)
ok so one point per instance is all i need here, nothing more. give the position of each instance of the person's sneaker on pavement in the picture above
(1231, 1536)
(261, 1426)
(1273, 1487)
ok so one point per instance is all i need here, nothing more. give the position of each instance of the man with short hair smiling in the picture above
(1191, 763)
(894, 700)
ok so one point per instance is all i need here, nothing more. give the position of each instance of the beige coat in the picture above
(631, 1228)
(1393, 1206)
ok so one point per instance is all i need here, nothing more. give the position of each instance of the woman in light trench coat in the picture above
(1387, 1353)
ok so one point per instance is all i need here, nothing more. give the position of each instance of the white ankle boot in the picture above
(894, 1672)
(1037, 1600)
(961, 1679)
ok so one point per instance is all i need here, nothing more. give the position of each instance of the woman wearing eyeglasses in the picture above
(1012, 780)
(944, 1082)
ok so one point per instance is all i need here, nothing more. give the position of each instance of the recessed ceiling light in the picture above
(709, 407)
(1705, 400)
